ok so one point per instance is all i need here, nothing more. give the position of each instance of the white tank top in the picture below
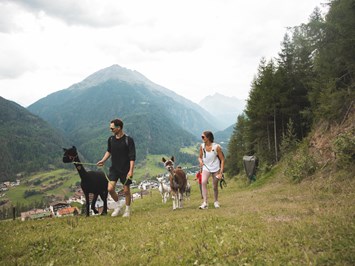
(210, 160)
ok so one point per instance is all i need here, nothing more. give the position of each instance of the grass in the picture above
(62, 177)
(193, 150)
(276, 223)
(151, 167)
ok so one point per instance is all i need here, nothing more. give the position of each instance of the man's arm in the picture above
(104, 159)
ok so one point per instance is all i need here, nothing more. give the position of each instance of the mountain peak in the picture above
(114, 72)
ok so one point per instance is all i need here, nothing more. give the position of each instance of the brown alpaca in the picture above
(178, 182)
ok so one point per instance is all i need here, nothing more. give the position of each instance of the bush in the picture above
(300, 164)
(344, 148)
(289, 139)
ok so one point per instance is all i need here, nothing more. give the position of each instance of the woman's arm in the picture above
(221, 158)
(200, 157)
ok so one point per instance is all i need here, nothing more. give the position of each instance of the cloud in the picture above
(14, 64)
(194, 47)
(93, 13)
(8, 13)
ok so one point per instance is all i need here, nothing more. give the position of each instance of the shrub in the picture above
(344, 148)
(289, 139)
(300, 164)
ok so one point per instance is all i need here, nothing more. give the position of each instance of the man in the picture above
(121, 149)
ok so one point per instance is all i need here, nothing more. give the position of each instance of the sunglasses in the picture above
(113, 128)
(203, 137)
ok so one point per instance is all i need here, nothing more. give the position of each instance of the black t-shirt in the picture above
(122, 151)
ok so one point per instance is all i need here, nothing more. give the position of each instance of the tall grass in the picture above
(278, 223)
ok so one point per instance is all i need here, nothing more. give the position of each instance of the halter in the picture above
(103, 170)
(169, 167)
(72, 158)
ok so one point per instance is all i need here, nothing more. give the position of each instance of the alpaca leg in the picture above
(178, 201)
(93, 204)
(174, 201)
(87, 204)
(181, 195)
(103, 196)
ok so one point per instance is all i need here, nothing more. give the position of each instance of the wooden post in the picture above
(13, 213)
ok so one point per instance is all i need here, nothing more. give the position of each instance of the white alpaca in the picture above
(164, 189)
(188, 190)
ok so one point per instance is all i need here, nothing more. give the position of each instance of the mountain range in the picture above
(159, 120)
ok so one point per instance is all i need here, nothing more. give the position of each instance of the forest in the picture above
(311, 81)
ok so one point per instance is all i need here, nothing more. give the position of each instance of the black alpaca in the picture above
(94, 182)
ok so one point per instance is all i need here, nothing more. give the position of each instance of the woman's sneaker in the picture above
(203, 206)
(116, 212)
(216, 204)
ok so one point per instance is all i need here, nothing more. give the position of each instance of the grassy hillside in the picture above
(28, 143)
(57, 183)
(271, 222)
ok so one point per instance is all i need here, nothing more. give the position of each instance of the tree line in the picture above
(311, 80)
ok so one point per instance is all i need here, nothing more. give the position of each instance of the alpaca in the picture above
(164, 189)
(94, 182)
(178, 182)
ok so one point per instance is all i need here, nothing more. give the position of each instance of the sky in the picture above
(195, 48)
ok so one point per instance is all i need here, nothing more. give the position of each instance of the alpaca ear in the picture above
(163, 160)
(74, 147)
(64, 149)
(172, 158)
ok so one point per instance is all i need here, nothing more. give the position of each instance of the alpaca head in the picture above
(70, 155)
(168, 164)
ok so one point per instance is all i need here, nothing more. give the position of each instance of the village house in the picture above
(70, 211)
(35, 214)
(56, 206)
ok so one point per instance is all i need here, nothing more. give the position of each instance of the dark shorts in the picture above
(114, 175)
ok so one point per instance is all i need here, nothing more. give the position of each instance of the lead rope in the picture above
(103, 170)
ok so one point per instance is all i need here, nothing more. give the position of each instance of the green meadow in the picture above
(270, 222)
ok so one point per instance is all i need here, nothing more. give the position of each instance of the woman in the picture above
(212, 163)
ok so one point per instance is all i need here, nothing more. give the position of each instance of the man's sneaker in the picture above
(127, 213)
(216, 204)
(203, 206)
(117, 209)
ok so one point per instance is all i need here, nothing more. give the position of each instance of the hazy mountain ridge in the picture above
(225, 109)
